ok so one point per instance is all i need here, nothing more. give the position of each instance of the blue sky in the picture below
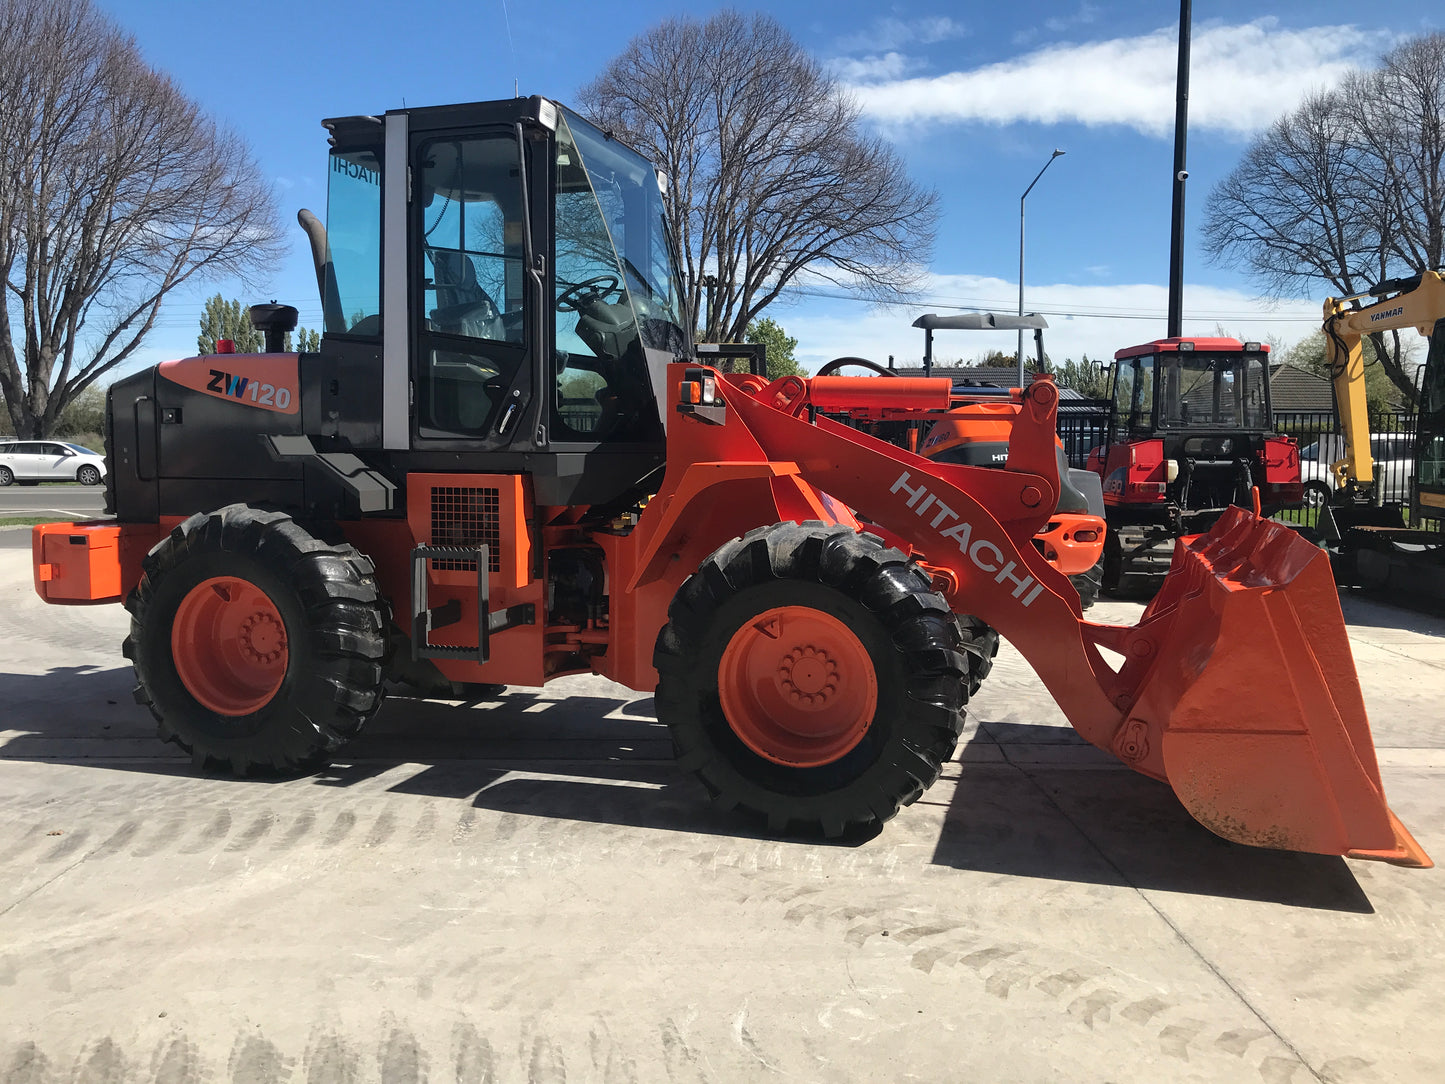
(974, 96)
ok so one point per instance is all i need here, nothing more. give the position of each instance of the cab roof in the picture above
(1200, 343)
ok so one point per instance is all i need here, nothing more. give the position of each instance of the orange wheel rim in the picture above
(797, 686)
(229, 645)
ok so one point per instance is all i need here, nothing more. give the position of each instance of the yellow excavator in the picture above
(1372, 546)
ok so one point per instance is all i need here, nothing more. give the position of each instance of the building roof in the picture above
(1292, 388)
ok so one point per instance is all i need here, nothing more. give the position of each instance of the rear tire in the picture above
(838, 757)
(256, 646)
(7, 476)
(1316, 495)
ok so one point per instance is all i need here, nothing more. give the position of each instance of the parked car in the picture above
(1393, 455)
(30, 462)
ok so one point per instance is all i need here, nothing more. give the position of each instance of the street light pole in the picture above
(1020, 355)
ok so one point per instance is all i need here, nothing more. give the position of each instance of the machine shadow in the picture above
(1030, 800)
(1416, 615)
(1096, 824)
(596, 759)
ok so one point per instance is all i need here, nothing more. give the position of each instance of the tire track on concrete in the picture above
(1091, 993)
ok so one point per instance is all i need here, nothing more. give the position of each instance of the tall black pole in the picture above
(1181, 174)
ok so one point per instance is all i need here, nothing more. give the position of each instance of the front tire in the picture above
(257, 647)
(811, 675)
(88, 475)
(7, 476)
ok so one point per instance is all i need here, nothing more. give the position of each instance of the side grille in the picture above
(464, 516)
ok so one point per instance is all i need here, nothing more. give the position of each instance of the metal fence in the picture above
(1392, 444)
(1082, 427)
(1321, 442)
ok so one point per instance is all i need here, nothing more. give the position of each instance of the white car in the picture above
(1393, 454)
(32, 461)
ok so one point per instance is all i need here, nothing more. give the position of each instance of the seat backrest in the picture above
(456, 279)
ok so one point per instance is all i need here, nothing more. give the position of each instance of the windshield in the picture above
(611, 217)
(1211, 391)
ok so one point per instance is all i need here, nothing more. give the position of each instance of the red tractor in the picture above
(507, 463)
(1189, 435)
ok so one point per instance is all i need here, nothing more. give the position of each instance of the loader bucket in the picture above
(1265, 738)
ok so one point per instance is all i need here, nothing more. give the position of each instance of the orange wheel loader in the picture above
(506, 464)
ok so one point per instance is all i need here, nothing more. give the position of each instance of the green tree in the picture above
(780, 347)
(222, 319)
(83, 415)
(1380, 391)
(1085, 377)
(307, 342)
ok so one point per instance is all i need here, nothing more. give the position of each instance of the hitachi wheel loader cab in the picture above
(507, 463)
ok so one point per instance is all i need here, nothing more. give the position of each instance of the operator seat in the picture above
(463, 307)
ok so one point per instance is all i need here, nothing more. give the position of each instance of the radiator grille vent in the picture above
(462, 516)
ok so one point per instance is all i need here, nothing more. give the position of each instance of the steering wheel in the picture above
(570, 299)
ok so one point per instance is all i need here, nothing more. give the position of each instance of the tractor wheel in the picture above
(256, 646)
(1087, 584)
(811, 675)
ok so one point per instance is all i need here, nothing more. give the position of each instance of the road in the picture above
(63, 502)
(527, 889)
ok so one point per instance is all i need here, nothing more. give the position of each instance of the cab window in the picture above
(614, 293)
(472, 284)
(353, 236)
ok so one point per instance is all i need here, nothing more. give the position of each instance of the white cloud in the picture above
(1083, 319)
(1086, 14)
(888, 34)
(1242, 78)
(872, 68)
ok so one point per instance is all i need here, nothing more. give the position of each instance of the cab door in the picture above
(473, 378)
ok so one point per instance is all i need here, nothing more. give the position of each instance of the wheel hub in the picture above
(797, 686)
(229, 645)
(262, 638)
(808, 676)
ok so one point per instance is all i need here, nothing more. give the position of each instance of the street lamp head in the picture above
(1056, 153)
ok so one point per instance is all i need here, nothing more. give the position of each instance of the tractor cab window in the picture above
(1135, 396)
(1212, 390)
(353, 234)
(471, 283)
(616, 292)
(1123, 389)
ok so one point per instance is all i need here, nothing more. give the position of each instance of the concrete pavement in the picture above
(527, 889)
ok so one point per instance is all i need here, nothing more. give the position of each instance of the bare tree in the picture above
(772, 174)
(1348, 188)
(114, 190)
